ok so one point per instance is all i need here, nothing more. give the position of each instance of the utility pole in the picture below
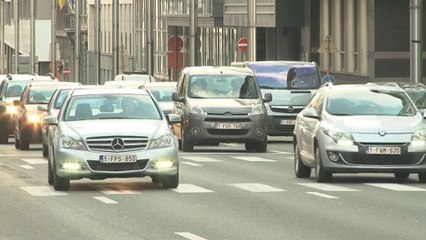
(193, 24)
(98, 41)
(17, 32)
(149, 47)
(32, 38)
(2, 36)
(416, 58)
(251, 25)
(53, 39)
(77, 43)
(115, 39)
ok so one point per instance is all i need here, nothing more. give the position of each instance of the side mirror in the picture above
(177, 98)
(310, 113)
(50, 120)
(173, 118)
(42, 108)
(268, 97)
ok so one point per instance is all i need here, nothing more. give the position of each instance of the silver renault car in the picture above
(111, 132)
(360, 128)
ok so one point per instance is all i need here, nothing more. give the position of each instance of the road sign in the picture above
(243, 44)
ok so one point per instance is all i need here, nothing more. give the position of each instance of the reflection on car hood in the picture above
(223, 104)
(115, 127)
(286, 97)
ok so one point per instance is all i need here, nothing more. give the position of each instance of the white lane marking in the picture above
(256, 187)
(275, 151)
(190, 188)
(190, 236)
(232, 144)
(35, 160)
(43, 191)
(106, 200)
(116, 190)
(192, 164)
(255, 159)
(19, 155)
(322, 195)
(328, 187)
(397, 187)
(26, 167)
(202, 159)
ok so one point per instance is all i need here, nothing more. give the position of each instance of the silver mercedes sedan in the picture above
(107, 133)
(360, 128)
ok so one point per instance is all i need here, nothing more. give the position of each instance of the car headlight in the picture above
(339, 137)
(419, 137)
(161, 142)
(70, 143)
(33, 118)
(196, 110)
(257, 109)
(10, 109)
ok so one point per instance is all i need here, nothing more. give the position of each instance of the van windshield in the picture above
(273, 76)
(223, 86)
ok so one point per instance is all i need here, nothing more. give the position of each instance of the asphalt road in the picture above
(224, 193)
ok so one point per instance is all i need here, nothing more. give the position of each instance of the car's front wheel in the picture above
(187, 146)
(422, 177)
(4, 134)
(402, 175)
(300, 169)
(321, 174)
(60, 183)
(170, 181)
(261, 146)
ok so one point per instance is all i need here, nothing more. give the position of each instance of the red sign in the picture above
(66, 71)
(175, 44)
(243, 44)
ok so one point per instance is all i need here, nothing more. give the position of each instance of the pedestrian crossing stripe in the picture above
(256, 187)
(201, 159)
(34, 160)
(190, 188)
(397, 187)
(254, 159)
(328, 187)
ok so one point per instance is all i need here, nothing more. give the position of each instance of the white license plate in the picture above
(384, 150)
(228, 126)
(117, 158)
(288, 122)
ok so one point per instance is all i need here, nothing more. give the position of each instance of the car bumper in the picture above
(199, 130)
(91, 167)
(354, 159)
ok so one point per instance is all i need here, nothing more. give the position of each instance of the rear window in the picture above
(275, 76)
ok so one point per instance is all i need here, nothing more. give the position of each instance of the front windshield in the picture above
(60, 99)
(223, 86)
(418, 95)
(275, 76)
(162, 93)
(111, 106)
(15, 89)
(41, 95)
(369, 102)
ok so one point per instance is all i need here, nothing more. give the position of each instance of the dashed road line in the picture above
(256, 187)
(201, 159)
(192, 164)
(26, 167)
(116, 190)
(34, 160)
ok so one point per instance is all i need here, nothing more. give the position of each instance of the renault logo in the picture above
(117, 144)
(382, 132)
(290, 109)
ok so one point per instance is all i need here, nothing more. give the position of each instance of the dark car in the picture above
(28, 119)
(11, 89)
(220, 104)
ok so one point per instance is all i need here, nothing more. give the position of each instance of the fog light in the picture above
(163, 164)
(195, 131)
(71, 166)
(259, 131)
(333, 156)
